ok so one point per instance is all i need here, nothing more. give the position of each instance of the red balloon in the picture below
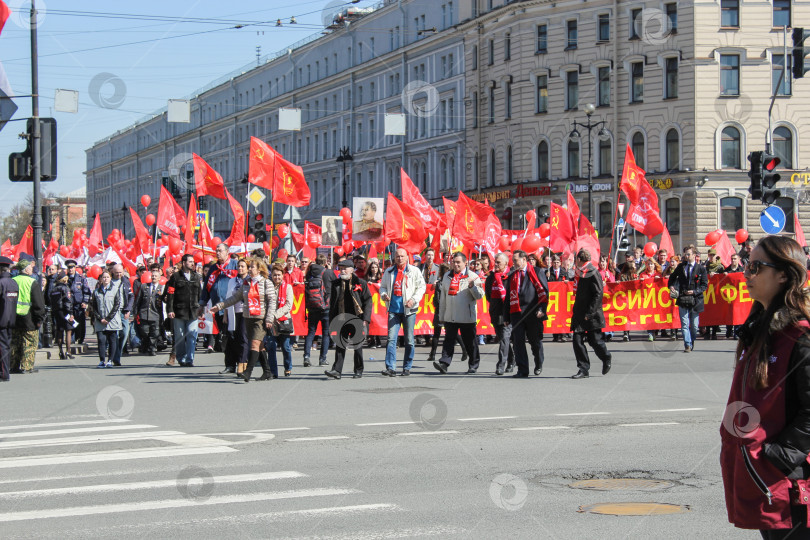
(741, 236)
(504, 243)
(64, 250)
(163, 280)
(348, 247)
(545, 230)
(283, 230)
(175, 245)
(531, 215)
(79, 270)
(198, 256)
(713, 237)
(516, 245)
(339, 251)
(251, 237)
(650, 248)
(274, 242)
(216, 240)
(146, 277)
(94, 272)
(208, 259)
(150, 219)
(346, 214)
(531, 243)
(146, 200)
(314, 241)
(266, 247)
(282, 253)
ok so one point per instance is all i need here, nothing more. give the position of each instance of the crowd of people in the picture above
(249, 301)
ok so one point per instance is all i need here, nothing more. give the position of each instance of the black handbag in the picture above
(686, 301)
(285, 326)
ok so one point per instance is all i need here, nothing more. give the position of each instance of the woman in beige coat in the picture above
(258, 296)
(280, 335)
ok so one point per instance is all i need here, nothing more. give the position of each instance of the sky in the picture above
(127, 60)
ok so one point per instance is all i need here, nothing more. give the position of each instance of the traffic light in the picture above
(799, 52)
(20, 163)
(755, 174)
(258, 228)
(46, 218)
(769, 178)
(624, 241)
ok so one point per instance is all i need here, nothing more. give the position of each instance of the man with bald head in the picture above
(401, 288)
(120, 278)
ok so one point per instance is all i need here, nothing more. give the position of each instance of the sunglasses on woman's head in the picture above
(753, 267)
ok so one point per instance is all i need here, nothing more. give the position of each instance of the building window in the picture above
(731, 213)
(783, 146)
(635, 23)
(637, 86)
(672, 16)
(573, 159)
(475, 57)
(730, 75)
(443, 173)
(491, 52)
(777, 69)
(507, 47)
(605, 157)
(789, 206)
(451, 172)
(671, 76)
(637, 145)
(541, 94)
(542, 161)
(571, 90)
(673, 152)
(605, 219)
(672, 212)
(507, 100)
(730, 13)
(542, 38)
(603, 90)
(475, 109)
(604, 27)
(571, 35)
(781, 13)
(491, 104)
(491, 168)
(730, 149)
(510, 170)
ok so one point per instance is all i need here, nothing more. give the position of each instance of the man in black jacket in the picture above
(30, 313)
(525, 308)
(8, 315)
(349, 307)
(148, 309)
(495, 293)
(687, 283)
(182, 303)
(588, 317)
(317, 288)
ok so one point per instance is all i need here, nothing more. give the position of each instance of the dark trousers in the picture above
(80, 331)
(237, 349)
(148, 332)
(340, 355)
(529, 326)
(221, 339)
(5, 353)
(107, 338)
(313, 318)
(467, 331)
(506, 355)
(597, 342)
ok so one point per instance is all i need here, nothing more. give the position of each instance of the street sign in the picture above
(255, 196)
(291, 213)
(620, 223)
(202, 215)
(772, 220)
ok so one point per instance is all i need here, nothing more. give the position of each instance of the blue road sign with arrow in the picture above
(772, 220)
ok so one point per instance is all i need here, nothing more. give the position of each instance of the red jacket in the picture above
(757, 492)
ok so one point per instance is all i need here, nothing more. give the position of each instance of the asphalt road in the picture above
(146, 450)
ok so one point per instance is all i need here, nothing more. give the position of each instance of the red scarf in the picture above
(455, 279)
(219, 269)
(282, 300)
(514, 289)
(398, 282)
(497, 285)
(254, 302)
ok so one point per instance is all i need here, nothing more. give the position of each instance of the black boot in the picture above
(252, 357)
(266, 375)
(433, 346)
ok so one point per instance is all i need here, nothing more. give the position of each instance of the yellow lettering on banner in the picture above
(634, 299)
(744, 292)
(644, 318)
(728, 293)
(376, 302)
(553, 301)
(616, 296)
(649, 297)
(663, 297)
(569, 295)
(550, 320)
(419, 324)
(710, 294)
(667, 319)
(298, 301)
(614, 319)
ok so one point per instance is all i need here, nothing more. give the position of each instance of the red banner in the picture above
(629, 305)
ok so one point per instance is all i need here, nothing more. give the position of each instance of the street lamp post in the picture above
(124, 216)
(603, 134)
(345, 156)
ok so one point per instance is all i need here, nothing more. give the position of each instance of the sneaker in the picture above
(108, 364)
(405, 372)
(650, 337)
(210, 349)
(306, 361)
(323, 363)
(100, 364)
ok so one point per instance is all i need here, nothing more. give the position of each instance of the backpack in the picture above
(315, 293)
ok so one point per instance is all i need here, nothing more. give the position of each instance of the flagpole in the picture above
(613, 228)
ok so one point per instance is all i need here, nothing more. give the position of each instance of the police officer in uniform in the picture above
(80, 292)
(8, 316)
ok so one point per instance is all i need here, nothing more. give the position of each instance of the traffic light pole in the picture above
(36, 148)
(782, 77)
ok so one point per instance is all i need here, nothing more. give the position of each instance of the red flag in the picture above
(298, 241)
(6, 249)
(643, 216)
(573, 208)
(208, 181)
(26, 244)
(312, 233)
(403, 226)
(261, 164)
(95, 241)
(563, 235)
(142, 236)
(632, 177)
(167, 219)
(206, 238)
(5, 13)
(492, 235)
(191, 223)
(587, 239)
(289, 185)
(666, 243)
(238, 229)
(799, 232)
(725, 249)
(470, 219)
(411, 196)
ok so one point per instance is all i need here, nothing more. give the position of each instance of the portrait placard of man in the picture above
(331, 231)
(368, 219)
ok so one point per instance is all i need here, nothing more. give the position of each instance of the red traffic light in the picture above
(259, 217)
(769, 163)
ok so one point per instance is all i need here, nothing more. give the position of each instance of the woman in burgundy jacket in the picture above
(766, 427)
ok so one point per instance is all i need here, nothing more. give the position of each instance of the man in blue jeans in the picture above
(401, 288)
(687, 284)
(128, 298)
(182, 305)
(317, 287)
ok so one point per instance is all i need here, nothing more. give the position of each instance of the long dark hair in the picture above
(755, 340)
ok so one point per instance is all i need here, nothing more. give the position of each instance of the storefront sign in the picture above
(660, 183)
(800, 179)
(540, 191)
(583, 188)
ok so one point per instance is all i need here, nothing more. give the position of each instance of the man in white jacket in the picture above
(461, 290)
(401, 288)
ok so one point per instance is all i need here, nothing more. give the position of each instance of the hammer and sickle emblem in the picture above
(555, 222)
(260, 154)
(469, 220)
(288, 184)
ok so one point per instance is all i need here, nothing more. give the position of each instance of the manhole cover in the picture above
(613, 484)
(635, 509)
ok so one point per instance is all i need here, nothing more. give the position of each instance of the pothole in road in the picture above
(622, 484)
(634, 509)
